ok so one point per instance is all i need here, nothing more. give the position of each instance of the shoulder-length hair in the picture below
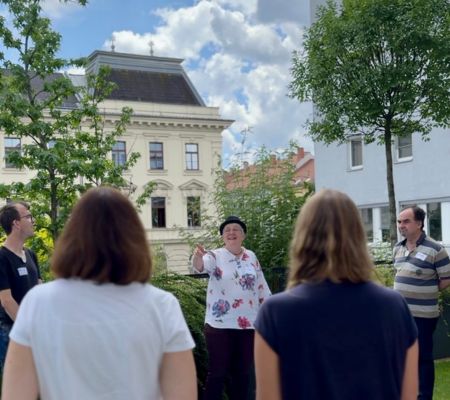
(103, 241)
(329, 242)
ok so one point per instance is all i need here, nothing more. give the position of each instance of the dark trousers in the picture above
(230, 355)
(426, 328)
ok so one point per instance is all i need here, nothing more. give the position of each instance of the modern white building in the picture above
(421, 176)
(178, 137)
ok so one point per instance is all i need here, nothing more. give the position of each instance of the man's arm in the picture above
(8, 303)
(444, 283)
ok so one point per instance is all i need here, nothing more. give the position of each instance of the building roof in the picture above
(152, 87)
(146, 78)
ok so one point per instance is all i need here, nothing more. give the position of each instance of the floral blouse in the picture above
(236, 288)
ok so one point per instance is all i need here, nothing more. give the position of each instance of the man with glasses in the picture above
(19, 269)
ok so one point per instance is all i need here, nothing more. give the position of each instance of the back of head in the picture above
(103, 240)
(329, 241)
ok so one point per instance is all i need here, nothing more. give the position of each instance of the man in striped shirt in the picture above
(422, 269)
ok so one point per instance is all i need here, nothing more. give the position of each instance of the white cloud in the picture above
(56, 9)
(237, 63)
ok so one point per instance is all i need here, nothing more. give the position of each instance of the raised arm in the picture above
(197, 258)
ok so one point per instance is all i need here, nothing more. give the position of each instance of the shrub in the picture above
(191, 293)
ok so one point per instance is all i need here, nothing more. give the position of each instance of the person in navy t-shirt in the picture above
(334, 334)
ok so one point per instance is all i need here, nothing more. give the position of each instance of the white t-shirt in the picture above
(99, 342)
(236, 289)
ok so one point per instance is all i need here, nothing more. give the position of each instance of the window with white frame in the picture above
(119, 153)
(434, 221)
(193, 211)
(158, 212)
(191, 156)
(367, 218)
(404, 148)
(12, 145)
(356, 155)
(156, 155)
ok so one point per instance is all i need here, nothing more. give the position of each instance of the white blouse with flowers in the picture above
(236, 288)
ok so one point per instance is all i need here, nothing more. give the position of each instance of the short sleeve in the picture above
(177, 335)
(4, 267)
(265, 326)
(442, 264)
(35, 259)
(22, 328)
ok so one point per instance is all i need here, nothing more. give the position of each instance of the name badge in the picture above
(421, 256)
(22, 271)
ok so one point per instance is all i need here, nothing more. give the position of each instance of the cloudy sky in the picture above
(237, 53)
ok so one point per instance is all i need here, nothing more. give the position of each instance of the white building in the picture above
(421, 176)
(178, 137)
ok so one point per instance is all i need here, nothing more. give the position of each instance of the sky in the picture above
(237, 53)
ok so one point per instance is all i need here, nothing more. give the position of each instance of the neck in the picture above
(14, 244)
(411, 242)
(235, 250)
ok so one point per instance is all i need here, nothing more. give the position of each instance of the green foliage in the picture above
(266, 198)
(191, 293)
(68, 148)
(379, 68)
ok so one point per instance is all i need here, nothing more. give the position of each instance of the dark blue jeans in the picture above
(426, 328)
(4, 341)
(230, 355)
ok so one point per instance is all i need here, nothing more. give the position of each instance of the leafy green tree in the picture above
(379, 68)
(68, 147)
(265, 196)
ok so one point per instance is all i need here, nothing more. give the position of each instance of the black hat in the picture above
(232, 220)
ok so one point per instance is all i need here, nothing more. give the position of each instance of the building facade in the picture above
(178, 137)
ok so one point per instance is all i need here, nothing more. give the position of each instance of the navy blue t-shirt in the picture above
(338, 341)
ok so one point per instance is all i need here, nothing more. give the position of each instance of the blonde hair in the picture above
(329, 242)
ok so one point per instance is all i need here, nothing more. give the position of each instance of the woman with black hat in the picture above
(236, 288)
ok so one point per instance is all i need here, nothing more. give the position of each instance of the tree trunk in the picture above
(390, 183)
(53, 206)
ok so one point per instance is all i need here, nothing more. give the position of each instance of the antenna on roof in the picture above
(151, 47)
(113, 47)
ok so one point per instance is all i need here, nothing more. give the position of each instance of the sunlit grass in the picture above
(442, 383)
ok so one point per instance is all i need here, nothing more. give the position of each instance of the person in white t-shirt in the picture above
(100, 331)
(236, 289)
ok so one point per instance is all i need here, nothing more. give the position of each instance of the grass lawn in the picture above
(442, 383)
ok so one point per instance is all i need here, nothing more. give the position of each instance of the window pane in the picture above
(158, 212)
(156, 155)
(404, 146)
(385, 224)
(356, 155)
(193, 211)
(119, 154)
(11, 145)
(192, 156)
(434, 220)
(366, 215)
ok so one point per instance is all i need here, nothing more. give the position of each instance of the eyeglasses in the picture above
(29, 216)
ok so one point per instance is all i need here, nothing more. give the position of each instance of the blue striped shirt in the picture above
(418, 274)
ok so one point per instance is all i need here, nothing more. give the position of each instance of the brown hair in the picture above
(104, 241)
(9, 214)
(329, 241)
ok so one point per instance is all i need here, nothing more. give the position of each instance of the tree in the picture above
(379, 68)
(67, 147)
(266, 198)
